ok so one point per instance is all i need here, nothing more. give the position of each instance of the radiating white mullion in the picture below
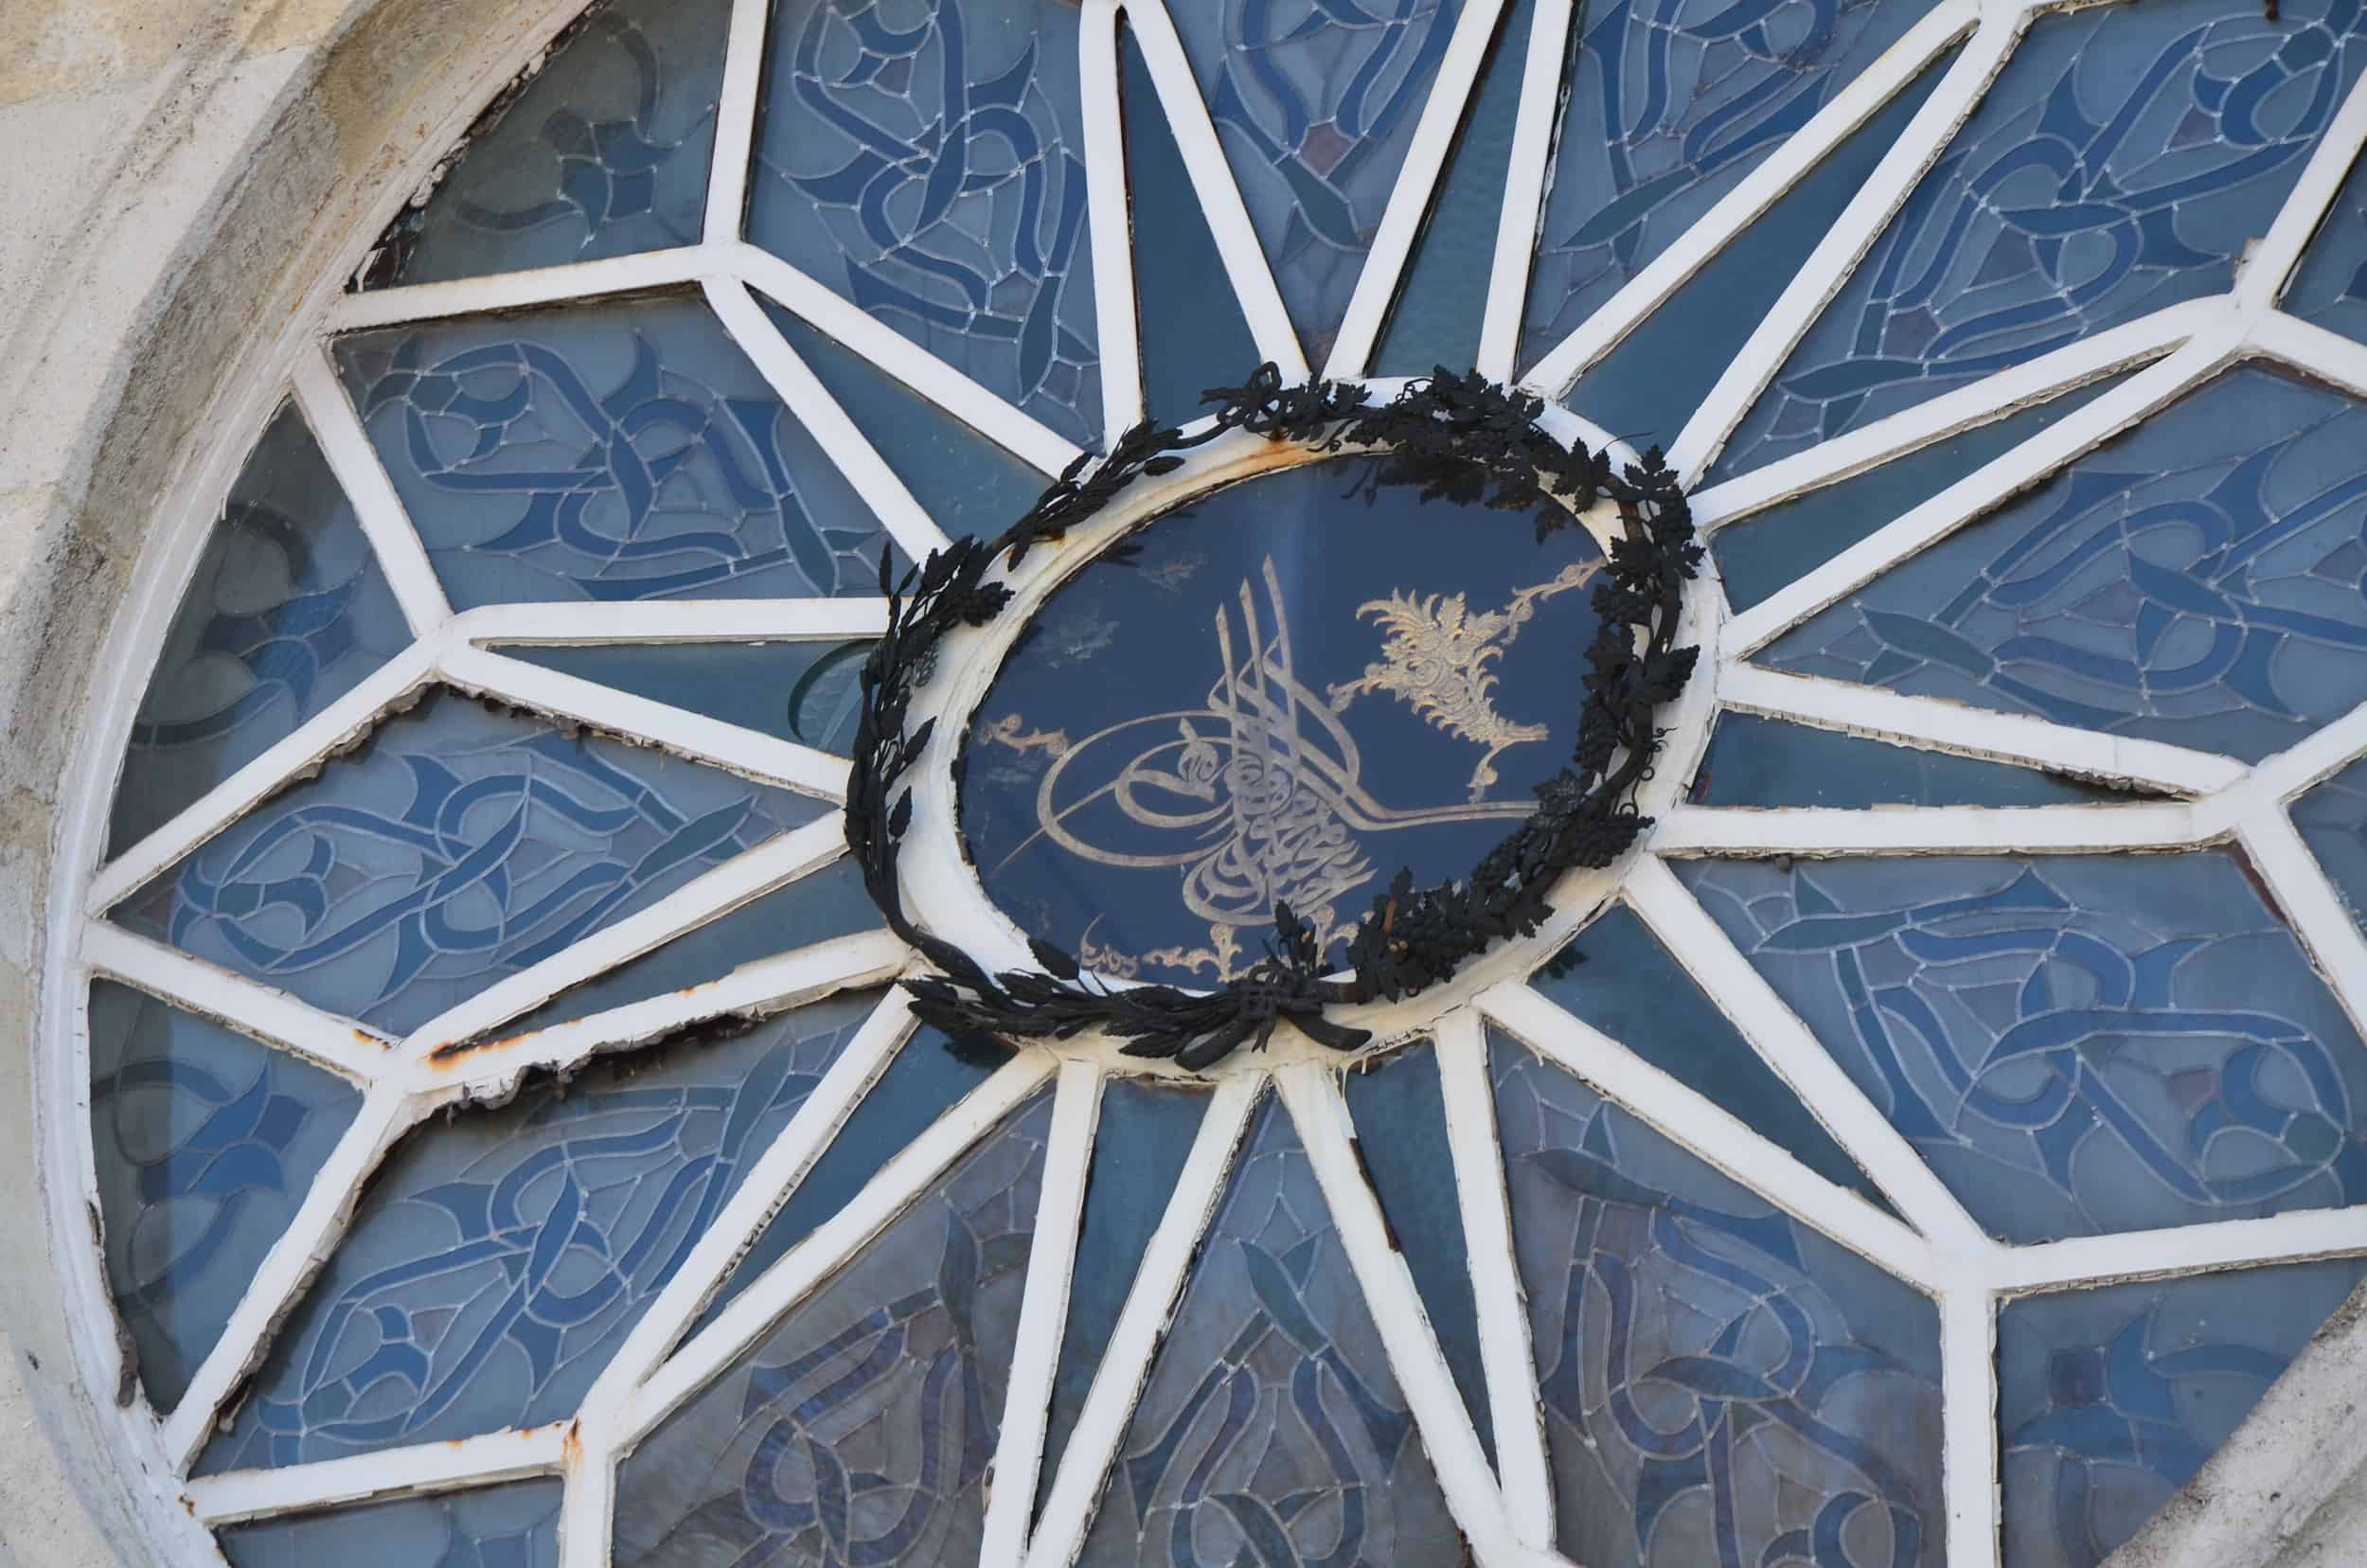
(1125, 1367)
(1111, 218)
(733, 161)
(895, 355)
(1521, 225)
(1929, 830)
(1043, 1314)
(2300, 891)
(1737, 988)
(763, 758)
(2326, 751)
(2339, 360)
(1506, 1356)
(346, 446)
(1695, 1122)
(1425, 156)
(1852, 234)
(1766, 184)
(672, 622)
(587, 1506)
(421, 1470)
(1237, 245)
(2295, 1236)
(811, 405)
(2263, 274)
(263, 1011)
(1968, 1424)
(514, 290)
(1973, 732)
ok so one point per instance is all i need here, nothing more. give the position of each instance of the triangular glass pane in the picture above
(456, 847)
(1617, 977)
(511, 1526)
(2330, 287)
(1668, 107)
(2333, 821)
(206, 1143)
(2111, 1400)
(2194, 580)
(1646, 387)
(610, 450)
(802, 691)
(603, 151)
(1316, 106)
(863, 1428)
(931, 170)
(1720, 1383)
(286, 612)
(2079, 1045)
(499, 1259)
(1435, 319)
(1272, 1426)
(2114, 168)
(1754, 761)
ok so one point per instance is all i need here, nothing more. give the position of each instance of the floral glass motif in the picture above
(512, 1527)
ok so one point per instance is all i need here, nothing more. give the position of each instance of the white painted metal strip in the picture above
(587, 1508)
(733, 161)
(2310, 348)
(2295, 1236)
(2327, 751)
(1521, 229)
(269, 1014)
(1968, 1425)
(2263, 274)
(514, 290)
(423, 1470)
(672, 622)
(1928, 829)
(1111, 220)
(386, 522)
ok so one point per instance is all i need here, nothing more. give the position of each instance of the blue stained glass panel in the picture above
(2119, 164)
(611, 451)
(603, 151)
(1316, 104)
(205, 1142)
(2333, 820)
(802, 691)
(859, 1431)
(2079, 1045)
(922, 160)
(2196, 580)
(499, 1260)
(511, 1526)
(1754, 761)
(1720, 1384)
(457, 846)
(2110, 1400)
(2330, 285)
(1271, 1426)
(287, 612)
(1670, 105)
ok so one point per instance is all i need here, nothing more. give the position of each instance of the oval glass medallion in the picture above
(1284, 690)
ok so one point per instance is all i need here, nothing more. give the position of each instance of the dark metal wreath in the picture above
(1458, 436)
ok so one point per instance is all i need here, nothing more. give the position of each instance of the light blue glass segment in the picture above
(2121, 163)
(2078, 1044)
(1670, 105)
(1617, 976)
(2333, 820)
(1315, 103)
(1769, 550)
(808, 692)
(512, 1527)
(1435, 320)
(604, 152)
(1140, 1145)
(2330, 285)
(1754, 761)
(1271, 1428)
(861, 1429)
(2196, 580)
(611, 451)
(206, 1143)
(1646, 387)
(2109, 1400)
(499, 1259)
(1720, 1383)
(1399, 1111)
(287, 612)
(457, 846)
(924, 162)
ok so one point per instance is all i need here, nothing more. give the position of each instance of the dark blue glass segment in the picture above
(801, 691)
(287, 612)
(861, 1430)
(2078, 1044)
(1754, 761)
(611, 451)
(924, 162)
(2196, 580)
(1617, 977)
(2333, 820)
(2330, 285)
(498, 1261)
(1180, 738)
(1316, 104)
(1668, 107)
(457, 846)
(1720, 1383)
(603, 151)
(206, 1143)
(1272, 1426)
(2110, 1400)
(2119, 164)
(511, 1526)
